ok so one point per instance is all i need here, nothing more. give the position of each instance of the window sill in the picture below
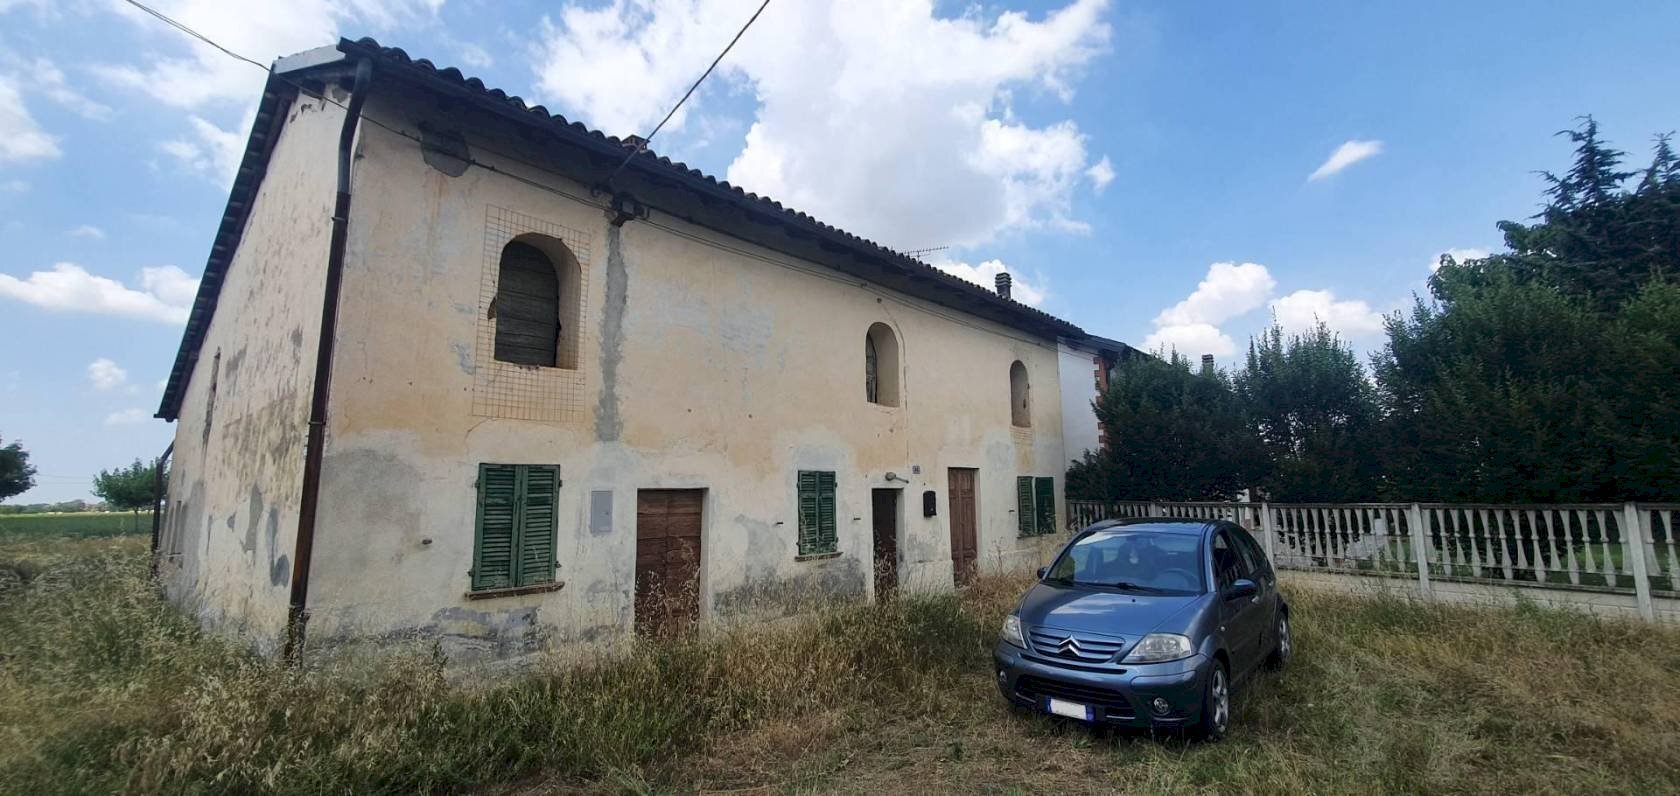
(817, 556)
(515, 591)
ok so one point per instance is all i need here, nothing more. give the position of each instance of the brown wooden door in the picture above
(884, 503)
(965, 542)
(667, 559)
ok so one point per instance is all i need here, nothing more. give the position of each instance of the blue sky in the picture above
(1144, 168)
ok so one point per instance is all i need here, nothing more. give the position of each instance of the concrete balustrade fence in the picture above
(1612, 559)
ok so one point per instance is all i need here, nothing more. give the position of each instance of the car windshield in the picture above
(1142, 561)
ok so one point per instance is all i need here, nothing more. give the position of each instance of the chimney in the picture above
(1207, 363)
(1003, 283)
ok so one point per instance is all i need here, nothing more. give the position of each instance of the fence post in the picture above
(1154, 509)
(1633, 557)
(1420, 546)
(1266, 532)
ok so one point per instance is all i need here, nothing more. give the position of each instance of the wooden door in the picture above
(667, 559)
(884, 503)
(965, 542)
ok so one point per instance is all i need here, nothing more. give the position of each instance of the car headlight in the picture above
(1012, 631)
(1159, 648)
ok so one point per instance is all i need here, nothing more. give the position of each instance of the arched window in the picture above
(536, 304)
(1020, 396)
(880, 365)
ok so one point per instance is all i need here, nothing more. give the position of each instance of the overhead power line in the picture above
(193, 33)
(689, 92)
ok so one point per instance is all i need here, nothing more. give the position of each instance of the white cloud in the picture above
(215, 153)
(165, 295)
(985, 275)
(1303, 309)
(1349, 153)
(874, 115)
(88, 231)
(1191, 340)
(127, 417)
(1191, 327)
(47, 78)
(106, 375)
(1228, 290)
(21, 138)
(1469, 253)
(1101, 174)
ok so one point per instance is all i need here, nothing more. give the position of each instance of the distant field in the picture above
(82, 524)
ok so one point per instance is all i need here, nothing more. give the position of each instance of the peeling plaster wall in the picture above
(701, 367)
(234, 490)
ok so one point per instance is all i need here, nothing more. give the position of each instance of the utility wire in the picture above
(193, 33)
(690, 92)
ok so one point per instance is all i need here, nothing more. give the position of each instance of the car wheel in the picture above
(1285, 643)
(1216, 704)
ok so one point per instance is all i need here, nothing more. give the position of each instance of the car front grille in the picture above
(1075, 647)
(1034, 689)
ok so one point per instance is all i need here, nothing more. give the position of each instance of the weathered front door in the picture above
(667, 559)
(884, 503)
(965, 544)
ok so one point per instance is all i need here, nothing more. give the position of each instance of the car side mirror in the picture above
(1042, 571)
(1242, 588)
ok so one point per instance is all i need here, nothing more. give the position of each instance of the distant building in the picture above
(1085, 364)
(571, 396)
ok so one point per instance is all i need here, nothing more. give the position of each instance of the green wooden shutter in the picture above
(1045, 488)
(828, 536)
(807, 512)
(539, 483)
(818, 526)
(497, 529)
(1024, 517)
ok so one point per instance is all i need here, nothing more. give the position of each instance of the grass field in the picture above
(104, 689)
(85, 523)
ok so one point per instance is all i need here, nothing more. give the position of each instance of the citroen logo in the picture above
(1070, 645)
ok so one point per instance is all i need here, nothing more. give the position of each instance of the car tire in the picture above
(1285, 646)
(1216, 703)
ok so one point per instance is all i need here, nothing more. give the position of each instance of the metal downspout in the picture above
(297, 615)
(159, 501)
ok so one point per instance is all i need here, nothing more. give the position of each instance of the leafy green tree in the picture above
(1643, 360)
(1499, 395)
(130, 488)
(17, 475)
(1593, 239)
(1315, 413)
(1173, 434)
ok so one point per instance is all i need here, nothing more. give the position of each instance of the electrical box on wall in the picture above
(930, 504)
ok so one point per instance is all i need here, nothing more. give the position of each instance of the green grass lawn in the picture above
(105, 689)
(85, 523)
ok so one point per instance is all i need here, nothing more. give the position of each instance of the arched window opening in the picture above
(537, 303)
(1020, 396)
(880, 365)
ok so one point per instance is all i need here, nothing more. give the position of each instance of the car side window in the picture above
(1227, 562)
(1253, 555)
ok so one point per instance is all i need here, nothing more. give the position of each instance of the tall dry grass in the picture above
(103, 688)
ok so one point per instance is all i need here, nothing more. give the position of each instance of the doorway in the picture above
(965, 544)
(667, 559)
(884, 504)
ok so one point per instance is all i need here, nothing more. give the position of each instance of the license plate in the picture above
(1072, 710)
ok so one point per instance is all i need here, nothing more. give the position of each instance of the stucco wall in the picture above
(234, 489)
(705, 363)
(1078, 380)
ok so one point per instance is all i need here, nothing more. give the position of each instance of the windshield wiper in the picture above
(1129, 586)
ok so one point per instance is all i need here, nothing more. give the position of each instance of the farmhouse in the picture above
(460, 368)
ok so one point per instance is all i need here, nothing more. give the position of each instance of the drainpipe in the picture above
(297, 615)
(159, 500)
